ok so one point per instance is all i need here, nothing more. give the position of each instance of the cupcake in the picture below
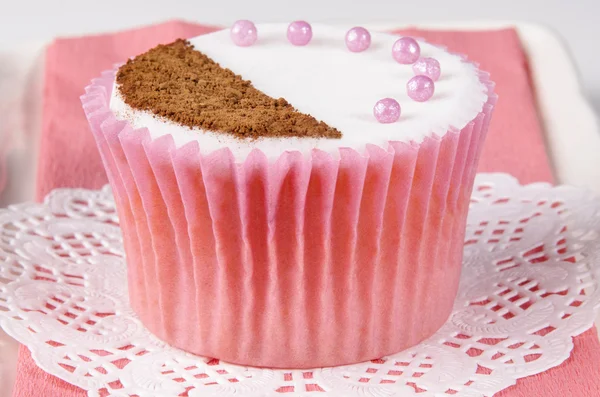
(270, 217)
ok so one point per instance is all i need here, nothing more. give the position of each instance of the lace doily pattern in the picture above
(529, 284)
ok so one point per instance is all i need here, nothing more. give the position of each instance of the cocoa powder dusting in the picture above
(183, 85)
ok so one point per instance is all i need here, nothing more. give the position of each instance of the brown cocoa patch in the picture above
(183, 85)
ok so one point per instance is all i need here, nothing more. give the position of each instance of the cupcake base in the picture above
(304, 261)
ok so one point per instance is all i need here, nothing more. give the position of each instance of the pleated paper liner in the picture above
(294, 262)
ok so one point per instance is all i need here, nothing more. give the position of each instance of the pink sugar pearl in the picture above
(429, 67)
(243, 33)
(358, 39)
(299, 33)
(420, 88)
(387, 110)
(406, 50)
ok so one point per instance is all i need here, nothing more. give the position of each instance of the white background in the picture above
(576, 21)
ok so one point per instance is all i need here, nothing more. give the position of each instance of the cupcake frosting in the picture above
(330, 83)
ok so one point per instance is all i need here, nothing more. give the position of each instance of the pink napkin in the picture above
(68, 158)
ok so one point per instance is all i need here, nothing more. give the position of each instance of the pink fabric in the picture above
(515, 144)
(400, 199)
(5, 146)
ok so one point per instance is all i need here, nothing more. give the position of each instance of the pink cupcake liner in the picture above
(297, 262)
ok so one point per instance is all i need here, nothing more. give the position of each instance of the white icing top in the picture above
(326, 80)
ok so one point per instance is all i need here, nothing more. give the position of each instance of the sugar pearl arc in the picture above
(429, 67)
(358, 39)
(387, 110)
(299, 33)
(420, 88)
(406, 50)
(243, 33)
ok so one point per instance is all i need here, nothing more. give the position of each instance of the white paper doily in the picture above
(530, 253)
